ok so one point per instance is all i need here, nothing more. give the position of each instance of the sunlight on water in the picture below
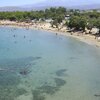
(38, 65)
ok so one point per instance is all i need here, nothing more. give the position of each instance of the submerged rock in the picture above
(24, 72)
(59, 82)
(20, 91)
(37, 95)
(61, 72)
(48, 89)
(97, 95)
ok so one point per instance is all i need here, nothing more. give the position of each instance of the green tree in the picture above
(77, 22)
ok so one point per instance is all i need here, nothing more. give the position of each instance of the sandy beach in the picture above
(87, 38)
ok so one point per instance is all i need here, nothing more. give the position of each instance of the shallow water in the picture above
(38, 65)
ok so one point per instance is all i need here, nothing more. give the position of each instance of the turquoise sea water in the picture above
(38, 65)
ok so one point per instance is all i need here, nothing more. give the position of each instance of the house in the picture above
(67, 17)
(48, 20)
(34, 20)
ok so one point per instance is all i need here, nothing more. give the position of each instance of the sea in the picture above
(40, 65)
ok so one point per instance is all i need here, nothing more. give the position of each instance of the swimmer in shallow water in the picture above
(24, 36)
(14, 35)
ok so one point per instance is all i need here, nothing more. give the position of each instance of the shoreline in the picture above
(87, 38)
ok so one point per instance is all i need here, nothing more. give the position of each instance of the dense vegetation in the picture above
(78, 20)
(54, 13)
(82, 20)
